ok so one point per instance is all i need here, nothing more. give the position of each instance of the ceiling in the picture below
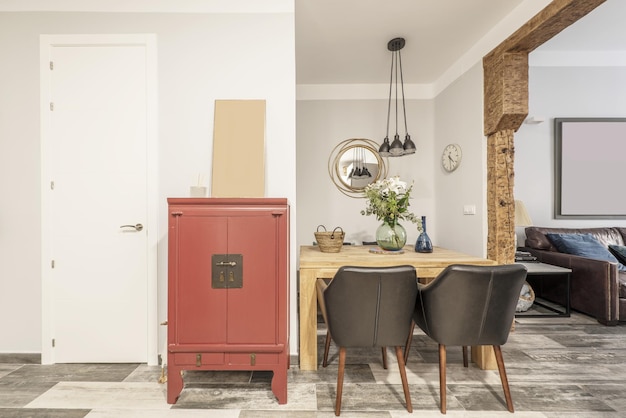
(601, 30)
(345, 42)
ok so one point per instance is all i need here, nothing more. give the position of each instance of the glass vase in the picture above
(423, 243)
(391, 238)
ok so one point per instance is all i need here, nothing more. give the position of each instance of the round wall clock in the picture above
(451, 157)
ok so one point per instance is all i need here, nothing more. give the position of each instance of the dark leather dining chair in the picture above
(469, 305)
(369, 307)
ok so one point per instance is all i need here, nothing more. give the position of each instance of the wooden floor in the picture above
(557, 367)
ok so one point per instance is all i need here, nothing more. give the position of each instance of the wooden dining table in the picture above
(315, 264)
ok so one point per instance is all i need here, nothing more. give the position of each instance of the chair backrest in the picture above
(371, 306)
(470, 305)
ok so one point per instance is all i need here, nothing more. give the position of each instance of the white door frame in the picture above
(47, 42)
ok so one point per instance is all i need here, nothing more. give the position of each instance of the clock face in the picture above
(451, 157)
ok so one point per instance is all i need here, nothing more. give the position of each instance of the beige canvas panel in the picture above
(239, 149)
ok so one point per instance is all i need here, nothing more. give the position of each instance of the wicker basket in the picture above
(329, 242)
(526, 298)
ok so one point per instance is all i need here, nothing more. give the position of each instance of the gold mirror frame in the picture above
(338, 173)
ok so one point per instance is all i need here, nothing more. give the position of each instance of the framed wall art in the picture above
(590, 168)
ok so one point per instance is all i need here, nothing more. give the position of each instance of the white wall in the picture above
(201, 58)
(557, 92)
(321, 125)
(196, 66)
(20, 264)
(459, 119)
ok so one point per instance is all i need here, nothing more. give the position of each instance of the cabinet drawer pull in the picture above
(198, 360)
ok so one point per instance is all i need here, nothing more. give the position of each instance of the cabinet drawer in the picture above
(182, 359)
(252, 359)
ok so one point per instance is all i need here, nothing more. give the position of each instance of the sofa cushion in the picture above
(584, 245)
(536, 236)
(619, 251)
(622, 284)
(623, 232)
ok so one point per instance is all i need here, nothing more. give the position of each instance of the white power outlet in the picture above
(469, 210)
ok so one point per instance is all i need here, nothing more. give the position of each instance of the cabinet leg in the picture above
(279, 385)
(174, 383)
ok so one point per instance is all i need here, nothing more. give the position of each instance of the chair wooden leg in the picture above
(342, 368)
(409, 340)
(505, 381)
(384, 351)
(465, 362)
(326, 348)
(405, 383)
(442, 378)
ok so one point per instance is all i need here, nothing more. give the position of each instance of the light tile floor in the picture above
(557, 367)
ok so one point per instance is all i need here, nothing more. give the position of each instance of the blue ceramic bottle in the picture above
(423, 243)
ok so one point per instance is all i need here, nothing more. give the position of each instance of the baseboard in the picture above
(294, 360)
(20, 358)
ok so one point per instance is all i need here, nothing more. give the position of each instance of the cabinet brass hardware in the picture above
(227, 265)
(252, 359)
(198, 360)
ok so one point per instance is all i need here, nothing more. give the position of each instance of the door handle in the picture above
(137, 227)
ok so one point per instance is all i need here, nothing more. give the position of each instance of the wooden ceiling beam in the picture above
(555, 17)
(506, 66)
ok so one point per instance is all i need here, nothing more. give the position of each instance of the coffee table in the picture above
(541, 271)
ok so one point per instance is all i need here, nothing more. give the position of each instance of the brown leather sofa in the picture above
(597, 288)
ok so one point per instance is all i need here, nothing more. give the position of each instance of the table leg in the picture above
(308, 320)
(484, 357)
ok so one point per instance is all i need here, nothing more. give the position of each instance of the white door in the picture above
(97, 213)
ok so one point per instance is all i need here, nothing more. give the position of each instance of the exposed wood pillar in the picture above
(506, 107)
(506, 91)
(500, 199)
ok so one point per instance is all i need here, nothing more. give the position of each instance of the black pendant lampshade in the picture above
(396, 148)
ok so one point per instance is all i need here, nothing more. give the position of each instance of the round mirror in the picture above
(355, 163)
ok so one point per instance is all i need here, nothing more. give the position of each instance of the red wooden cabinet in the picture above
(228, 288)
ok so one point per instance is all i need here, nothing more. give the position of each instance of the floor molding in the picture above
(20, 358)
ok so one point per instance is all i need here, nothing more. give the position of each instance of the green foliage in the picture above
(388, 200)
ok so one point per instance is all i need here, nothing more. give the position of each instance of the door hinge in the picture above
(51, 106)
(52, 263)
(51, 65)
(52, 185)
(53, 342)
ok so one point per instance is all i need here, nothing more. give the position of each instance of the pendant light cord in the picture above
(389, 101)
(395, 53)
(406, 129)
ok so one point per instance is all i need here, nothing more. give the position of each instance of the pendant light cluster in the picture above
(396, 148)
